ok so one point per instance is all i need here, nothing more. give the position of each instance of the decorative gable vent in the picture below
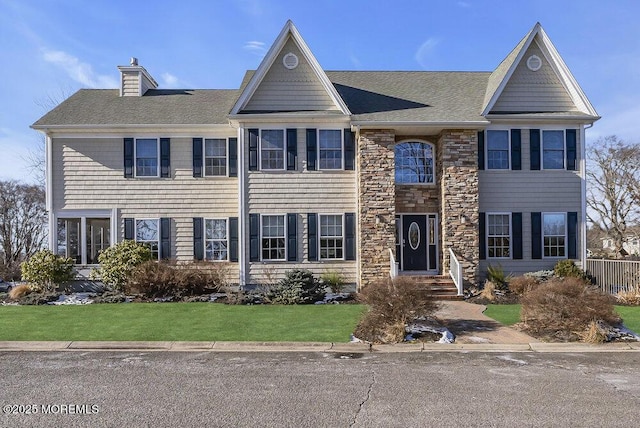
(534, 63)
(290, 61)
(135, 80)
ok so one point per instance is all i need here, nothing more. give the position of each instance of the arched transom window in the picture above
(414, 162)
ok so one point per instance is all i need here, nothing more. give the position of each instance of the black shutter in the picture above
(253, 149)
(572, 228)
(128, 157)
(165, 238)
(129, 229)
(572, 149)
(482, 235)
(534, 148)
(516, 233)
(536, 235)
(312, 149)
(516, 148)
(197, 157)
(292, 149)
(292, 235)
(233, 157)
(233, 239)
(349, 150)
(312, 232)
(165, 157)
(350, 236)
(480, 150)
(198, 242)
(254, 237)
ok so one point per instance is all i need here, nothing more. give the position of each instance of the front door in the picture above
(417, 245)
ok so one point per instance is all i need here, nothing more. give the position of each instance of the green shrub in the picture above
(496, 275)
(568, 269)
(334, 280)
(45, 270)
(565, 307)
(297, 287)
(393, 303)
(166, 278)
(117, 262)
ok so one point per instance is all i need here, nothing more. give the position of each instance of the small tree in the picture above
(117, 262)
(46, 271)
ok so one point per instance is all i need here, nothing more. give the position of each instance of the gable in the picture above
(530, 91)
(284, 89)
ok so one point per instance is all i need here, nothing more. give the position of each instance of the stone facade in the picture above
(376, 203)
(417, 198)
(457, 163)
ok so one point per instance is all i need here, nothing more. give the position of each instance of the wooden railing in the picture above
(455, 270)
(615, 276)
(393, 268)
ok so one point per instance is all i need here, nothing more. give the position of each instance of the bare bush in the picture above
(522, 284)
(393, 303)
(565, 307)
(19, 291)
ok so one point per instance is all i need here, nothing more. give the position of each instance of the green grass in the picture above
(505, 314)
(510, 314)
(180, 322)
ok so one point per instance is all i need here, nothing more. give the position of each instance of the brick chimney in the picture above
(135, 80)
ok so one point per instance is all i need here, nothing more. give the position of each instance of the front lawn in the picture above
(510, 314)
(180, 322)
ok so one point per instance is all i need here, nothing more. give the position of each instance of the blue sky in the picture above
(53, 48)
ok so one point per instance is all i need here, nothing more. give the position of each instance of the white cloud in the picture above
(425, 50)
(79, 71)
(169, 80)
(255, 47)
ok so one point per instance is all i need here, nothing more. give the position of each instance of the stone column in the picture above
(376, 203)
(458, 160)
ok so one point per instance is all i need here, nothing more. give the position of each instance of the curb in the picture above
(315, 347)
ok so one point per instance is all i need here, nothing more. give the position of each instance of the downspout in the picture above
(241, 209)
(48, 143)
(583, 190)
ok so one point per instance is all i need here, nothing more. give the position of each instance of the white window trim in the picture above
(564, 150)
(135, 231)
(434, 157)
(83, 215)
(341, 149)
(286, 243)
(486, 149)
(510, 236)
(284, 150)
(204, 240)
(320, 258)
(204, 158)
(135, 157)
(566, 232)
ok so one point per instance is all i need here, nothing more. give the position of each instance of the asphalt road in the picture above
(185, 389)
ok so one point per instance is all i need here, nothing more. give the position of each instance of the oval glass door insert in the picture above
(414, 235)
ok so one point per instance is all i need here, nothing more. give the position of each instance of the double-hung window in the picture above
(553, 149)
(215, 157)
(331, 237)
(146, 156)
(272, 149)
(554, 232)
(498, 236)
(330, 148)
(147, 233)
(273, 237)
(497, 149)
(216, 239)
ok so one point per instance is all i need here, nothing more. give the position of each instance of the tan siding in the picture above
(88, 174)
(290, 90)
(130, 82)
(529, 91)
(301, 192)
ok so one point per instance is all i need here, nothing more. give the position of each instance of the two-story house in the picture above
(348, 171)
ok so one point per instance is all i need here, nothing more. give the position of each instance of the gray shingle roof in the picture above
(157, 106)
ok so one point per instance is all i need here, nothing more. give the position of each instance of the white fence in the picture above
(614, 276)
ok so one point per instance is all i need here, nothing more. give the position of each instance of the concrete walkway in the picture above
(470, 325)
